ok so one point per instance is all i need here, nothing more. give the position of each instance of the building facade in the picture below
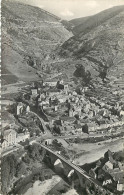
(9, 138)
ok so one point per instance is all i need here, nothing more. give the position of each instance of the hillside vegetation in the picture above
(85, 24)
(33, 38)
(77, 21)
(101, 48)
(28, 33)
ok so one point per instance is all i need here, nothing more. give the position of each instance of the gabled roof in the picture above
(105, 175)
(34, 89)
(118, 176)
(109, 156)
(51, 80)
(67, 118)
(77, 126)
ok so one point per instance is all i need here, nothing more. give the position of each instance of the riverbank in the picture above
(93, 151)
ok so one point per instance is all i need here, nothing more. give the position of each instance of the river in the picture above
(93, 151)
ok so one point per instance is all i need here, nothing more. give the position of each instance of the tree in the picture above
(78, 90)
(56, 129)
(34, 152)
(87, 76)
(84, 75)
(57, 144)
(103, 74)
(85, 128)
(26, 159)
(30, 61)
(8, 171)
(48, 70)
(76, 116)
(80, 71)
(105, 63)
(37, 132)
(19, 97)
(21, 169)
(78, 140)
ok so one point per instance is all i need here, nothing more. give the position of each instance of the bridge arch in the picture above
(70, 173)
(73, 178)
(58, 162)
(58, 166)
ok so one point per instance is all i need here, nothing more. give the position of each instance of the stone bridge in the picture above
(72, 172)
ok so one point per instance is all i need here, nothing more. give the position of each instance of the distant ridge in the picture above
(84, 25)
(38, 8)
(78, 21)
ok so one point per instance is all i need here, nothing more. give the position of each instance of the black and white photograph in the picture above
(62, 97)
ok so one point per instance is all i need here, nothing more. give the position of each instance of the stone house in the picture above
(56, 108)
(67, 120)
(122, 113)
(78, 129)
(92, 127)
(71, 113)
(109, 161)
(9, 138)
(77, 110)
(108, 165)
(68, 128)
(106, 179)
(61, 81)
(62, 99)
(20, 108)
(66, 88)
(22, 136)
(28, 109)
(34, 91)
(50, 83)
(74, 93)
(120, 185)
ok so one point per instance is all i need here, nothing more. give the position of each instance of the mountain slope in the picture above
(101, 50)
(84, 25)
(77, 21)
(28, 34)
(103, 41)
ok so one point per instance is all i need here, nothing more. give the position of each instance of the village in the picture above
(52, 109)
(62, 97)
(64, 112)
(108, 170)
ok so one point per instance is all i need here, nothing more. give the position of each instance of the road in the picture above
(47, 132)
(10, 150)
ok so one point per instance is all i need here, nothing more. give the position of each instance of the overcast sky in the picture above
(69, 9)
